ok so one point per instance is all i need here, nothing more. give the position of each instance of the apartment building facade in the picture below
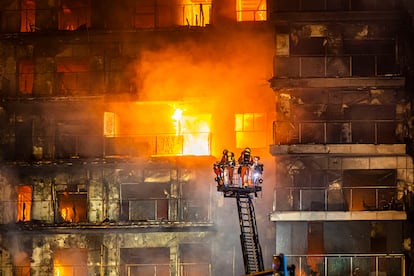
(112, 116)
(341, 136)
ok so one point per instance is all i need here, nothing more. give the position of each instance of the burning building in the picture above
(113, 113)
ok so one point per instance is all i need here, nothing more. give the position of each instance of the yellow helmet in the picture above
(247, 150)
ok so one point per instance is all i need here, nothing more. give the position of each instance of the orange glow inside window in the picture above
(26, 76)
(251, 10)
(27, 16)
(24, 203)
(74, 14)
(196, 13)
(72, 207)
(70, 261)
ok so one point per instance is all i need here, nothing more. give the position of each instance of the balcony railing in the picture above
(328, 5)
(335, 66)
(339, 132)
(199, 269)
(166, 210)
(72, 146)
(147, 269)
(368, 198)
(143, 210)
(348, 264)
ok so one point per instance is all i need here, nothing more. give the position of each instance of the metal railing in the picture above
(147, 269)
(166, 210)
(348, 264)
(368, 198)
(183, 269)
(73, 146)
(199, 269)
(71, 18)
(323, 66)
(339, 131)
(158, 210)
(348, 5)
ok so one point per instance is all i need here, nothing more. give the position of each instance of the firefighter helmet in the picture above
(225, 152)
(247, 150)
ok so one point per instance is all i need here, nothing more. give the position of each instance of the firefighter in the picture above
(257, 171)
(218, 171)
(230, 165)
(224, 158)
(245, 161)
(225, 169)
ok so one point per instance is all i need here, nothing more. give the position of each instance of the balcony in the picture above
(144, 212)
(349, 264)
(343, 71)
(337, 204)
(338, 132)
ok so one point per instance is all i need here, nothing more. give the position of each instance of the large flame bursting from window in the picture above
(194, 131)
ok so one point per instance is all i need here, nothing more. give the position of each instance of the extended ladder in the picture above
(252, 252)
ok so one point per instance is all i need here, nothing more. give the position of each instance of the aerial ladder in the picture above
(232, 187)
(249, 238)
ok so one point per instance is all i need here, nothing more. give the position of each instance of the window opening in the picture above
(70, 261)
(26, 76)
(24, 203)
(145, 201)
(250, 130)
(73, 76)
(145, 261)
(74, 15)
(72, 206)
(196, 12)
(370, 189)
(28, 16)
(195, 259)
(251, 10)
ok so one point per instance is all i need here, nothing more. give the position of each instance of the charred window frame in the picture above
(75, 138)
(145, 14)
(145, 201)
(73, 76)
(195, 203)
(371, 189)
(308, 40)
(27, 16)
(74, 15)
(195, 259)
(120, 75)
(335, 5)
(24, 202)
(26, 76)
(72, 206)
(70, 261)
(372, 57)
(145, 261)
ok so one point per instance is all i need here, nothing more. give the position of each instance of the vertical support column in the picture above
(42, 259)
(112, 254)
(174, 191)
(174, 260)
